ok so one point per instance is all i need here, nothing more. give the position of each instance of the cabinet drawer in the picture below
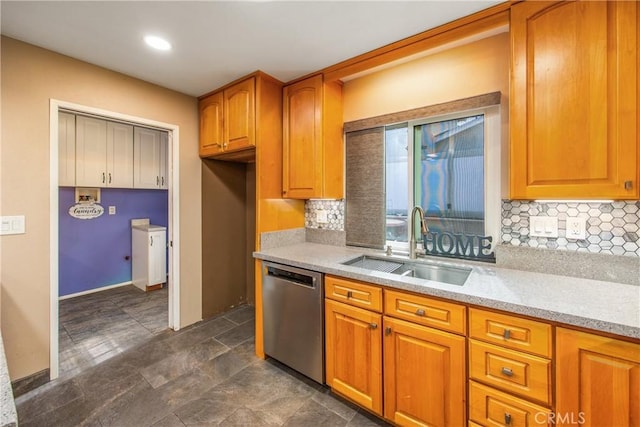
(510, 331)
(512, 371)
(489, 407)
(425, 311)
(353, 293)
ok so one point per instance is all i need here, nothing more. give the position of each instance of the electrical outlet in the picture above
(112, 210)
(321, 216)
(576, 228)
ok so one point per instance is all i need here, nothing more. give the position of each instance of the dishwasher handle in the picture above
(290, 276)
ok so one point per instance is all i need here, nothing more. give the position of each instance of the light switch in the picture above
(576, 228)
(543, 226)
(12, 225)
(112, 210)
(321, 216)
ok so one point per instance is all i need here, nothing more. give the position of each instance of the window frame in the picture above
(492, 169)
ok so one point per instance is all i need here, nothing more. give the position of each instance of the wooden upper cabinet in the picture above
(211, 125)
(236, 118)
(597, 380)
(239, 116)
(313, 148)
(574, 100)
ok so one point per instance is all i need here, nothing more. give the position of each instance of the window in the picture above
(449, 166)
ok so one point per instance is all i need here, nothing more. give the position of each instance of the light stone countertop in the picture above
(593, 304)
(8, 416)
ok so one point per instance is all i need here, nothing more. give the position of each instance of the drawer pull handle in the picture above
(420, 312)
(507, 372)
(507, 418)
(628, 185)
(387, 330)
(349, 294)
(373, 325)
(506, 334)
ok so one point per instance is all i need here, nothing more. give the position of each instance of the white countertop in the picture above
(593, 304)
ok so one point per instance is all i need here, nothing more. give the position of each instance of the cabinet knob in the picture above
(506, 334)
(628, 185)
(373, 325)
(507, 372)
(507, 418)
(420, 312)
(387, 330)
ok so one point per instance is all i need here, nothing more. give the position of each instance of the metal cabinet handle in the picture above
(151, 237)
(420, 312)
(628, 185)
(157, 180)
(103, 177)
(373, 325)
(162, 181)
(349, 294)
(387, 330)
(507, 418)
(507, 372)
(506, 334)
(109, 177)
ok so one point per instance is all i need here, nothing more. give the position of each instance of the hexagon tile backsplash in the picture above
(612, 227)
(334, 210)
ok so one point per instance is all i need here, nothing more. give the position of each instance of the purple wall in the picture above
(92, 251)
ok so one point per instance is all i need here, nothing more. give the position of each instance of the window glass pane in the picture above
(396, 182)
(449, 174)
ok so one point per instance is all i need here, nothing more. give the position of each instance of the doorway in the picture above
(172, 291)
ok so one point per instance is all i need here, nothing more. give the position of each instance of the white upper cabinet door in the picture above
(119, 155)
(91, 152)
(146, 156)
(164, 163)
(66, 150)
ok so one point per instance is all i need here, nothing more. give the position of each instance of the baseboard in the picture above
(25, 385)
(92, 291)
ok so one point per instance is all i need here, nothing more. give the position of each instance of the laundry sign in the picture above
(86, 211)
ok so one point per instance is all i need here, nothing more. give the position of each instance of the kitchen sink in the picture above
(453, 275)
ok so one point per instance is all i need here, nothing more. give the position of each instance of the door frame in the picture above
(173, 162)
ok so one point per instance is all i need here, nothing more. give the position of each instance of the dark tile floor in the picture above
(98, 326)
(203, 375)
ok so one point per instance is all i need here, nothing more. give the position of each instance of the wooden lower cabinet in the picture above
(353, 341)
(597, 380)
(424, 375)
(490, 407)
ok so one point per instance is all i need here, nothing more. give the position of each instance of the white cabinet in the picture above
(150, 157)
(66, 150)
(104, 153)
(149, 255)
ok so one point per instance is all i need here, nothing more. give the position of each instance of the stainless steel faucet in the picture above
(423, 227)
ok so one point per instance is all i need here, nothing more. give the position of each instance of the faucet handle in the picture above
(389, 250)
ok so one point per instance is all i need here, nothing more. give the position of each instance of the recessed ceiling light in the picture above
(157, 42)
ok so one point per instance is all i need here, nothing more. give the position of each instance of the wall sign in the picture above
(86, 211)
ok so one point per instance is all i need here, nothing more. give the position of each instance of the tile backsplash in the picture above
(612, 227)
(335, 214)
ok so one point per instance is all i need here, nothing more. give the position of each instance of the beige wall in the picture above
(31, 76)
(472, 69)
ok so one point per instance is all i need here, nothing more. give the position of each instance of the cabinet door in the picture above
(66, 149)
(574, 96)
(354, 354)
(91, 152)
(424, 375)
(239, 116)
(302, 139)
(211, 135)
(597, 380)
(119, 155)
(157, 258)
(146, 144)
(164, 160)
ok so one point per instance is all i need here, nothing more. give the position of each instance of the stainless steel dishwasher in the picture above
(293, 318)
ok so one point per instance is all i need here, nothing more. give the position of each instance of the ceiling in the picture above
(215, 42)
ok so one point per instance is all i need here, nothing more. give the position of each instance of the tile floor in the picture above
(203, 375)
(98, 326)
